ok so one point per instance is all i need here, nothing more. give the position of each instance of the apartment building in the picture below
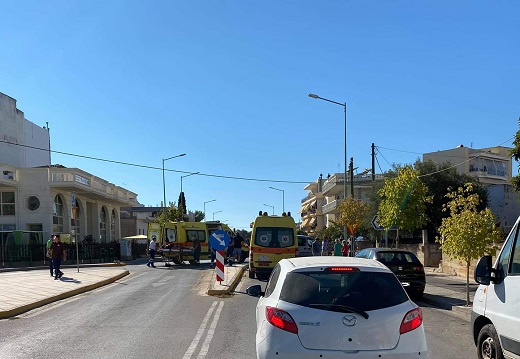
(320, 207)
(36, 197)
(493, 167)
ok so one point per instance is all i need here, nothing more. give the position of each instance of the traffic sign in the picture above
(376, 225)
(219, 240)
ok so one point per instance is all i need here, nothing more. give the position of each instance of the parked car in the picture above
(495, 316)
(326, 307)
(305, 245)
(405, 265)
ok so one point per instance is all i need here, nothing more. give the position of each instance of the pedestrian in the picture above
(237, 251)
(316, 247)
(151, 251)
(325, 246)
(58, 254)
(345, 249)
(196, 249)
(337, 248)
(49, 254)
(230, 249)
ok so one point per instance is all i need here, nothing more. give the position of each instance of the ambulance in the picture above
(175, 239)
(273, 238)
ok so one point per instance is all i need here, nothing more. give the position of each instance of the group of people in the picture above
(233, 250)
(326, 247)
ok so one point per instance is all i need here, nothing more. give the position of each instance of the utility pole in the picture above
(351, 169)
(373, 162)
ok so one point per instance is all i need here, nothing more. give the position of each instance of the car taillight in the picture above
(412, 320)
(341, 269)
(281, 319)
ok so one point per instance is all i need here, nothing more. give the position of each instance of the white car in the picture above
(336, 307)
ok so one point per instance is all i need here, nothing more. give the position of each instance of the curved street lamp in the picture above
(215, 213)
(283, 197)
(163, 182)
(212, 200)
(190, 174)
(268, 205)
(311, 95)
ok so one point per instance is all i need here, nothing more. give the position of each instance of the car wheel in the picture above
(251, 274)
(489, 344)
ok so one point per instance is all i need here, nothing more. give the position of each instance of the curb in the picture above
(84, 265)
(13, 312)
(232, 285)
(459, 310)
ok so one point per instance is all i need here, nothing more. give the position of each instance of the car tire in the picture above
(251, 274)
(488, 344)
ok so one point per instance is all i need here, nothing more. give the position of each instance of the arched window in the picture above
(57, 215)
(103, 225)
(113, 219)
(76, 224)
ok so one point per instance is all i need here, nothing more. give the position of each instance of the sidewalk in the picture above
(23, 290)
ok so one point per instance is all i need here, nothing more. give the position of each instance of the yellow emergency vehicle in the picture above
(175, 239)
(273, 238)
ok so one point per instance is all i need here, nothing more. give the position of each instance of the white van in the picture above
(495, 316)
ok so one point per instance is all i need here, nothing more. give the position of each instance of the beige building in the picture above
(320, 206)
(493, 167)
(36, 198)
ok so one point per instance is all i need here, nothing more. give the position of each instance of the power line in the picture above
(157, 168)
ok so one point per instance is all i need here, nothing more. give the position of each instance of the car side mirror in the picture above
(255, 290)
(483, 270)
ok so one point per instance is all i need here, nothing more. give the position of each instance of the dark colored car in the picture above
(405, 265)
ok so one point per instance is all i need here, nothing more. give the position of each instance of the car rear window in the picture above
(397, 258)
(362, 290)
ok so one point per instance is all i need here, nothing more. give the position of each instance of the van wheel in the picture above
(489, 344)
(251, 274)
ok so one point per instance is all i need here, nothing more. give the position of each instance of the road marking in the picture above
(211, 331)
(201, 330)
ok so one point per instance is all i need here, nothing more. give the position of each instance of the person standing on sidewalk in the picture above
(325, 246)
(59, 254)
(196, 249)
(151, 251)
(49, 254)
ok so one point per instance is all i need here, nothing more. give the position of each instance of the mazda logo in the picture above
(349, 320)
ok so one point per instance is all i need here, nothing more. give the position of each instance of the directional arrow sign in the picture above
(376, 225)
(219, 240)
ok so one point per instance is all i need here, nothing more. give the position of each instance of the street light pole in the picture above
(283, 197)
(163, 182)
(213, 200)
(268, 205)
(345, 148)
(191, 174)
(214, 214)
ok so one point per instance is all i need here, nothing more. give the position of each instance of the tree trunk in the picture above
(467, 284)
(397, 238)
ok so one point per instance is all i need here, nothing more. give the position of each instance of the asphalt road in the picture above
(165, 313)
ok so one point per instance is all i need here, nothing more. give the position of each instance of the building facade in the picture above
(320, 206)
(493, 167)
(36, 197)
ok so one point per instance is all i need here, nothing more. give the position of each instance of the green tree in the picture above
(172, 213)
(403, 201)
(439, 178)
(467, 233)
(182, 203)
(515, 152)
(199, 216)
(334, 230)
(354, 213)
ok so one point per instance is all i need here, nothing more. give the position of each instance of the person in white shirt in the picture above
(151, 250)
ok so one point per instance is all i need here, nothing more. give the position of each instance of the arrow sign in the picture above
(376, 225)
(219, 240)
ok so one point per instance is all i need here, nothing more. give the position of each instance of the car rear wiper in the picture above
(341, 308)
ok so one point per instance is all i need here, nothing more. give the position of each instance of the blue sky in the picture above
(226, 82)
